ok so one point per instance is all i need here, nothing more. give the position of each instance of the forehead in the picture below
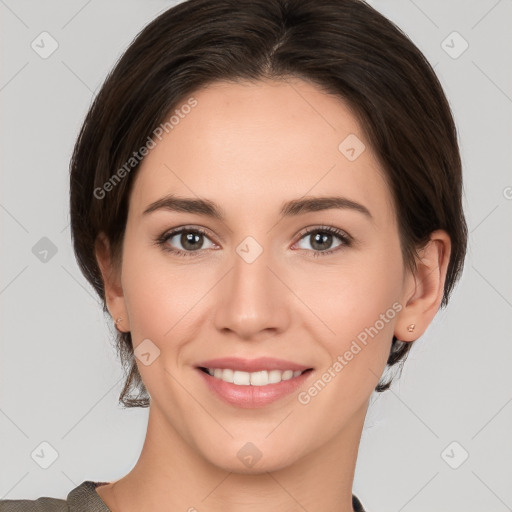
(253, 145)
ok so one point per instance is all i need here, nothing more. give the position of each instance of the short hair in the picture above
(345, 47)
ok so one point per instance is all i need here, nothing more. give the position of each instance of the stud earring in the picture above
(117, 321)
(411, 327)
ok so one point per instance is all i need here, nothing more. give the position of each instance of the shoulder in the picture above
(40, 505)
(82, 498)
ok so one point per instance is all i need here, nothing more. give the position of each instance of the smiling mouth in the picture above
(260, 378)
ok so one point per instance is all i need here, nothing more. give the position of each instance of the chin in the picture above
(252, 457)
(262, 466)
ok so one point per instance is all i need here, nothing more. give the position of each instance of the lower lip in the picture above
(251, 397)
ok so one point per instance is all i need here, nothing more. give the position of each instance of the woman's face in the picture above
(253, 289)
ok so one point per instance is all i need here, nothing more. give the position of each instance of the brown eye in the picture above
(185, 241)
(322, 241)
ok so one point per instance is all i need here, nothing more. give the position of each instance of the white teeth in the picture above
(241, 378)
(261, 378)
(274, 376)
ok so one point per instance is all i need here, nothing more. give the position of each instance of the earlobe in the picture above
(424, 288)
(114, 296)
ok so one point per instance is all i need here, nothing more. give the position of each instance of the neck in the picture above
(170, 475)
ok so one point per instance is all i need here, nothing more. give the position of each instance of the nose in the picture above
(253, 302)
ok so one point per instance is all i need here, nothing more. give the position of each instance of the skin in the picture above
(249, 147)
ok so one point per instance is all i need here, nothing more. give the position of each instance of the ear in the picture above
(424, 288)
(111, 275)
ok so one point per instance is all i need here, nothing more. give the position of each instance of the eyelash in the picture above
(163, 239)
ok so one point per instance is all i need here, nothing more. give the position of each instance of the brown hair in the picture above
(343, 46)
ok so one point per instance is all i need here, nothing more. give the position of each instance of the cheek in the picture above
(361, 316)
(359, 290)
(162, 300)
(358, 304)
(158, 290)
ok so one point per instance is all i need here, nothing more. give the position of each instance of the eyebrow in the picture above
(291, 208)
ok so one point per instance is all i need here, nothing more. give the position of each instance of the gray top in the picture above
(83, 498)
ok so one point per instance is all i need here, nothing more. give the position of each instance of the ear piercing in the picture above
(117, 321)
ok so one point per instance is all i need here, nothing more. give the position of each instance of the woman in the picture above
(266, 195)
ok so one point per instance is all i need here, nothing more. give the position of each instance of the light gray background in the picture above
(59, 375)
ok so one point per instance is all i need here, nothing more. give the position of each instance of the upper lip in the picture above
(252, 365)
